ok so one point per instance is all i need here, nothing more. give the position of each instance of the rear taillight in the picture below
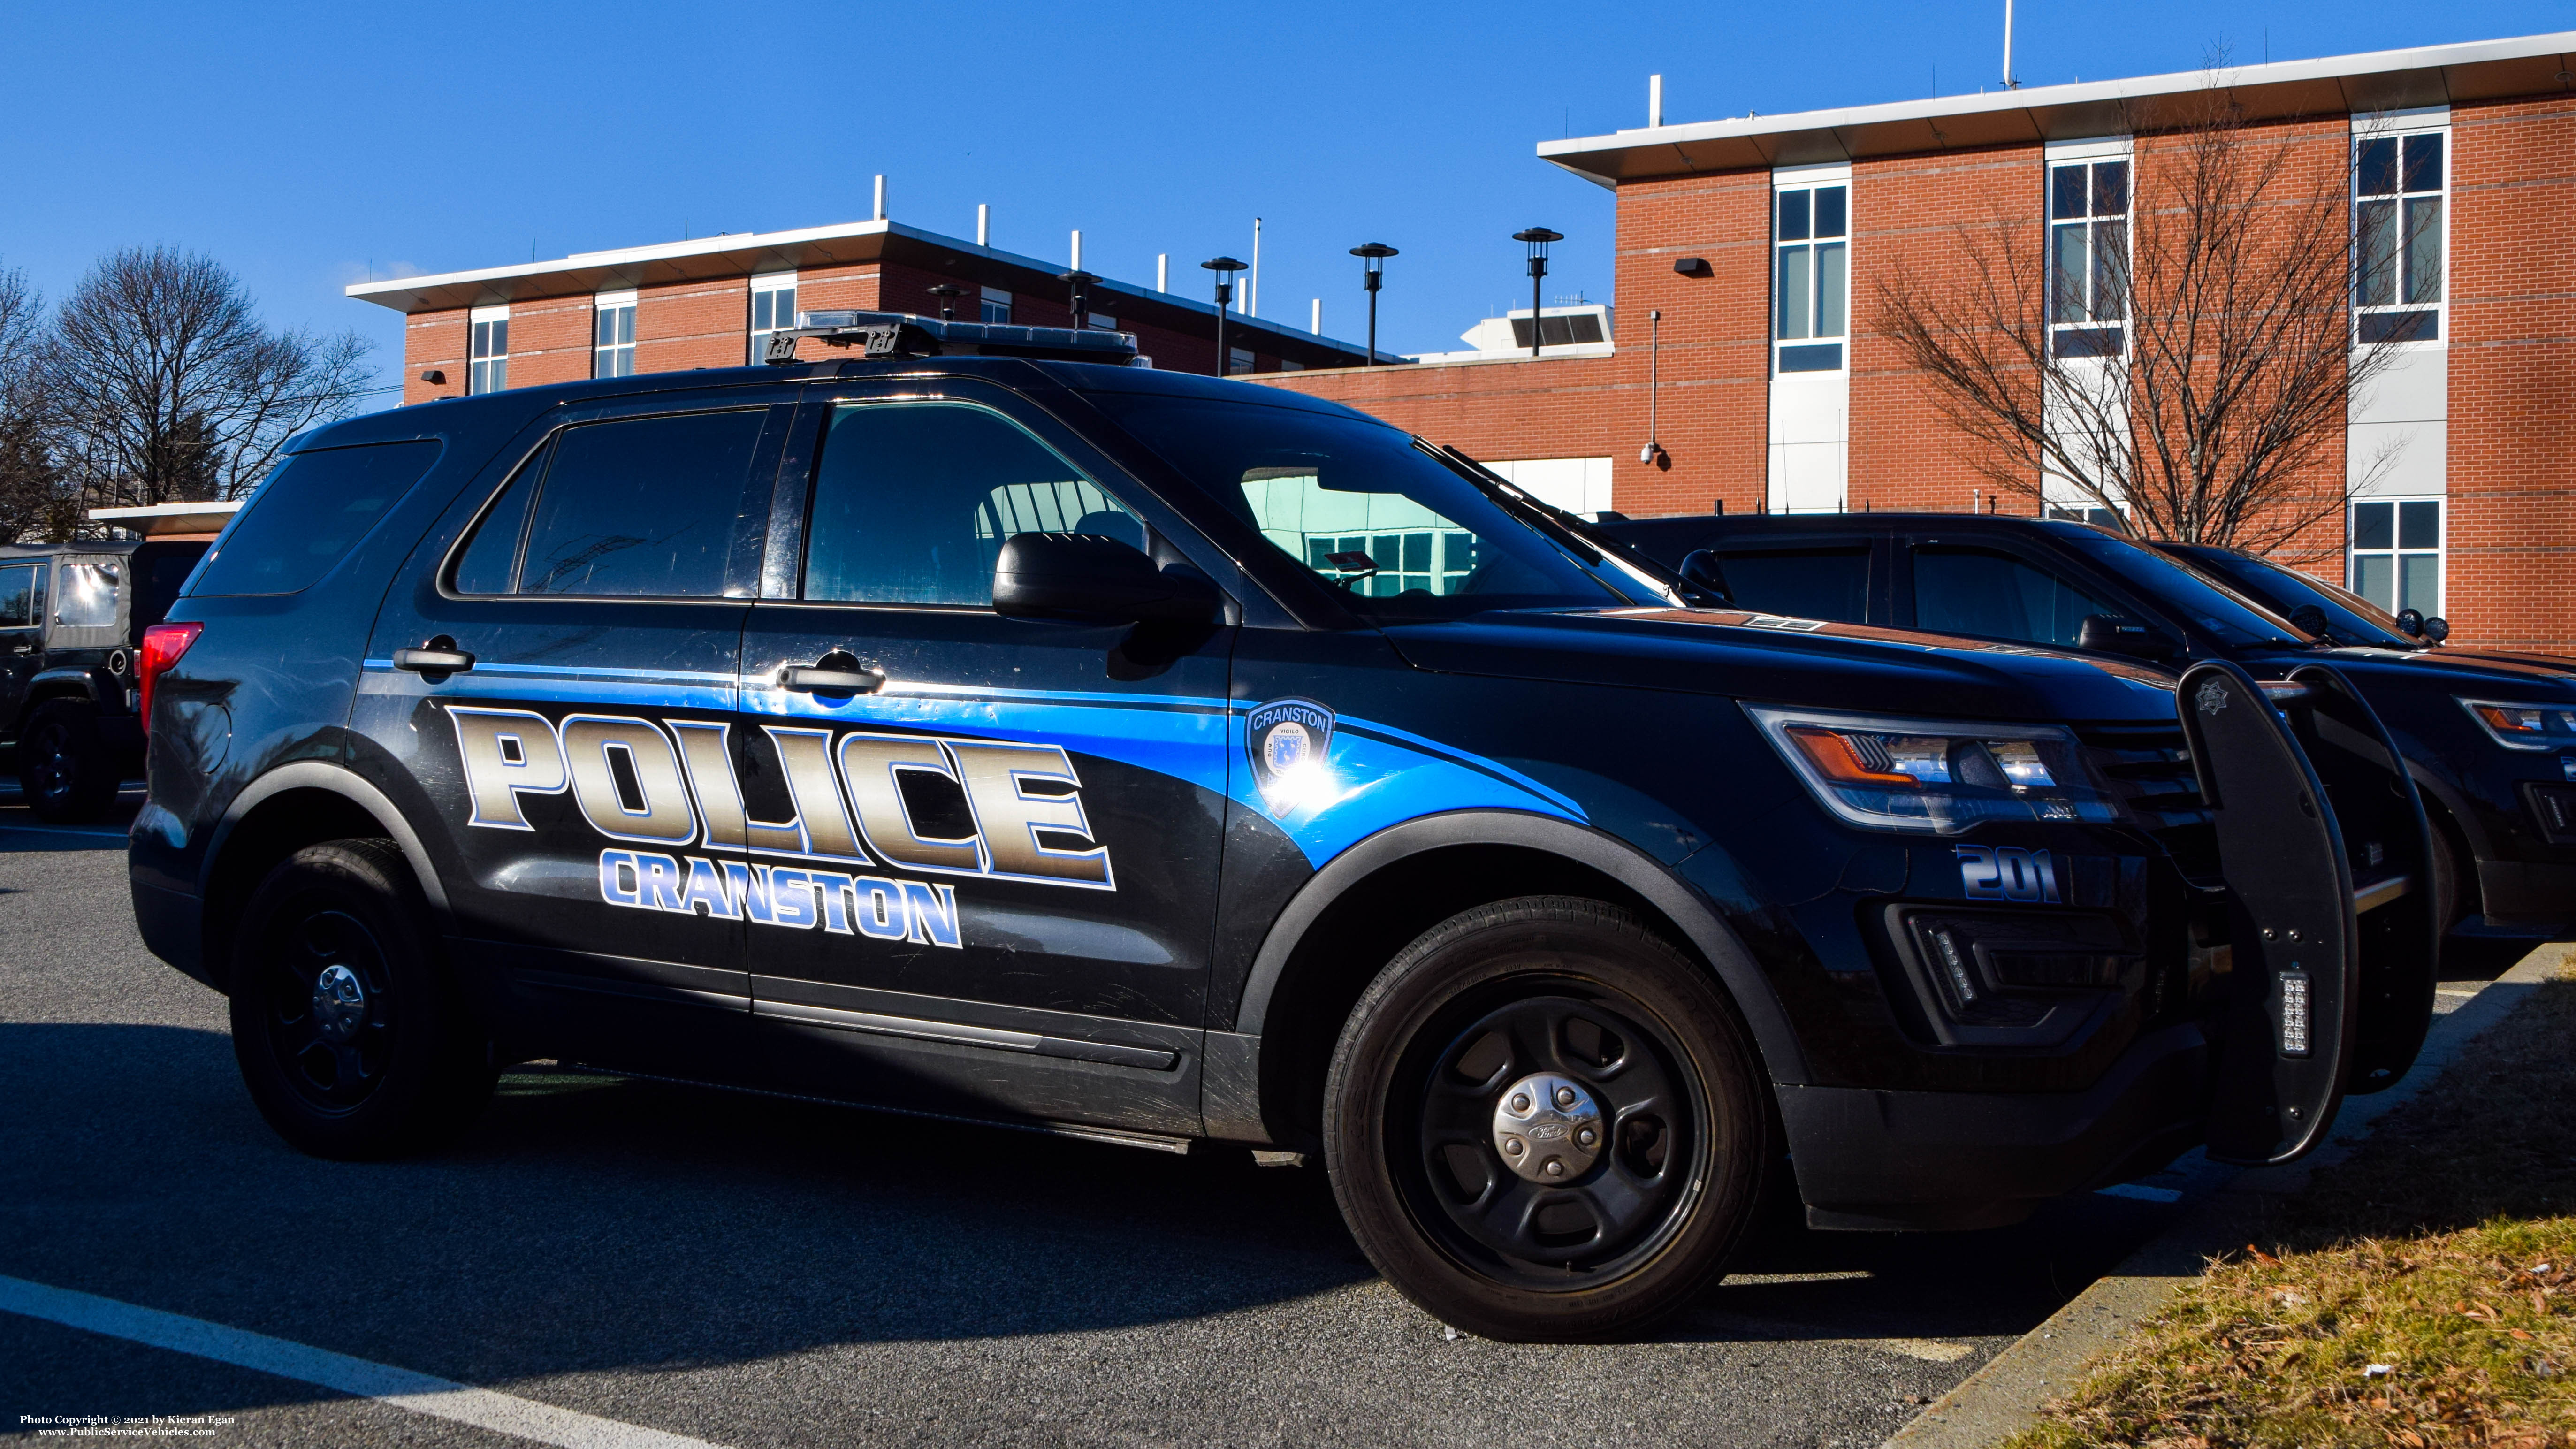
(162, 646)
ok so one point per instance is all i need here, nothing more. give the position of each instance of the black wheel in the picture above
(350, 1037)
(67, 773)
(1543, 1122)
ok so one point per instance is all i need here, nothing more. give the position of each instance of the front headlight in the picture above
(1939, 776)
(2524, 726)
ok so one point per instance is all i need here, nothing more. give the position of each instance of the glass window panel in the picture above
(2419, 582)
(1833, 265)
(307, 515)
(2377, 167)
(2090, 341)
(2419, 525)
(1417, 553)
(603, 330)
(1812, 357)
(1832, 210)
(1797, 282)
(2374, 525)
(2110, 271)
(1973, 591)
(2377, 226)
(2111, 188)
(1802, 583)
(2423, 326)
(2423, 249)
(1793, 216)
(2066, 192)
(2066, 302)
(642, 507)
(2374, 577)
(18, 597)
(2423, 163)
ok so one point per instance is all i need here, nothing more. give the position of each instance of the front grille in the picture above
(2149, 767)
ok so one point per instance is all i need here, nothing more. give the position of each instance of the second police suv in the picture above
(979, 725)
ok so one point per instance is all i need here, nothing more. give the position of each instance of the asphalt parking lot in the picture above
(749, 1271)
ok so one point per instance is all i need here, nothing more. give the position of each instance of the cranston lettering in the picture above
(797, 898)
(672, 784)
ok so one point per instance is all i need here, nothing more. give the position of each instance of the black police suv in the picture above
(2489, 737)
(962, 728)
(71, 617)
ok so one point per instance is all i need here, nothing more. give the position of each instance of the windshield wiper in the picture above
(1569, 530)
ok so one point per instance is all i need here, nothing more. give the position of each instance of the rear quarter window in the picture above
(307, 515)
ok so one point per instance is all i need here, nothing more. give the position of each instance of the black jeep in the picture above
(71, 618)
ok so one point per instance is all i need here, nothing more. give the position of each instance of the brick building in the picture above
(708, 302)
(1760, 242)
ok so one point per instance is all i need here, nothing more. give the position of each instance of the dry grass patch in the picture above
(2421, 1293)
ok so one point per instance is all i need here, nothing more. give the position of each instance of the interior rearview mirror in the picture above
(1090, 577)
(2111, 634)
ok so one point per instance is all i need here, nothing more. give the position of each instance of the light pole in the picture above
(1372, 273)
(1225, 268)
(947, 293)
(1079, 279)
(1538, 237)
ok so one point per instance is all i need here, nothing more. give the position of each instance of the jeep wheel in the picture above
(67, 773)
(1545, 1123)
(351, 1039)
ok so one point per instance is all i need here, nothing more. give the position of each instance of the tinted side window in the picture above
(641, 506)
(18, 596)
(490, 563)
(1808, 583)
(307, 515)
(913, 502)
(1978, 591)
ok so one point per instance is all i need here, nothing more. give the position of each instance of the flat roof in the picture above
(842, 244)
(2386, 80)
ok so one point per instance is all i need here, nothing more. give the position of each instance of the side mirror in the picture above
(2410, 622)
(1092, 578)
(2437, 628)
(2310, 619)
(1701, 567)
(2110, 634)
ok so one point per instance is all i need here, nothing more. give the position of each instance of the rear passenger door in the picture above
(538, 690)
(988, 876)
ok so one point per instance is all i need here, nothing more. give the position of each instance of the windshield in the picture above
(2350, 619)
(2229, 617)
(1397, 533)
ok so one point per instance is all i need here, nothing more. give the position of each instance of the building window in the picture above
(1238, 360)
(2109, 518)
(2088, 258)
(488, 353)
(1101, 320)
(2397, 553)
(997, 306)
(612, 336)
(1811, 276)
(2398, 186)
(773, 306)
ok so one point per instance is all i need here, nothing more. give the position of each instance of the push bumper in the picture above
(1871, 1160)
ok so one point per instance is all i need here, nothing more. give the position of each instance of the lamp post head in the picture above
(1375, 252)
(947, 294)
(1538, 237)
(1222, 265)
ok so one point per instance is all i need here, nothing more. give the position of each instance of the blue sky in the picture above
(306, 145)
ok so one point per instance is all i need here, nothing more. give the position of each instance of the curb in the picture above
(2007, 1395)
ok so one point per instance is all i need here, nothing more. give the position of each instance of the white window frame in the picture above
(2089, 154)
(2397, 126)
(612, 334)
(2398, 551)
(487, 349)
(1810, 180)
(765, 313)
(994, 298)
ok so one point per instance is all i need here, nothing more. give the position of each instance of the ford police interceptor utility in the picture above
(972, 726)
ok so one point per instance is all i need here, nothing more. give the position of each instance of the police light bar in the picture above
(904, 334)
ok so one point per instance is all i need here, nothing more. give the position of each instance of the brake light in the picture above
(162, 646)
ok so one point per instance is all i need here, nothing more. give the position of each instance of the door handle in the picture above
(438, 656)
(820, 679)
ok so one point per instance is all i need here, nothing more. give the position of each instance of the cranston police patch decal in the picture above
(1287, 740)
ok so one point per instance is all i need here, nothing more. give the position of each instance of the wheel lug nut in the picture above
(1555, 1167)
(1520, 1102)
(1565, 1096)
(1512, 1145)
(1586, 1136)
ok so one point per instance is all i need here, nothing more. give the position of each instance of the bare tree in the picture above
(32, 504)
(165, 386)
(2206, 390)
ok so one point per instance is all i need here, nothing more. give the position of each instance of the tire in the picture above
(67, 773)
(353, 1041)
(1431, 1086)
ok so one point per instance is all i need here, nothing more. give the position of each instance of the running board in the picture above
(2371, 897)
(1114, 1136)
(1152, 1059)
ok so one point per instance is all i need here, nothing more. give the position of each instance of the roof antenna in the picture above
(2009, 82)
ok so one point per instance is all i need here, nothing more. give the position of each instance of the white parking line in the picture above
(420, 1393)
